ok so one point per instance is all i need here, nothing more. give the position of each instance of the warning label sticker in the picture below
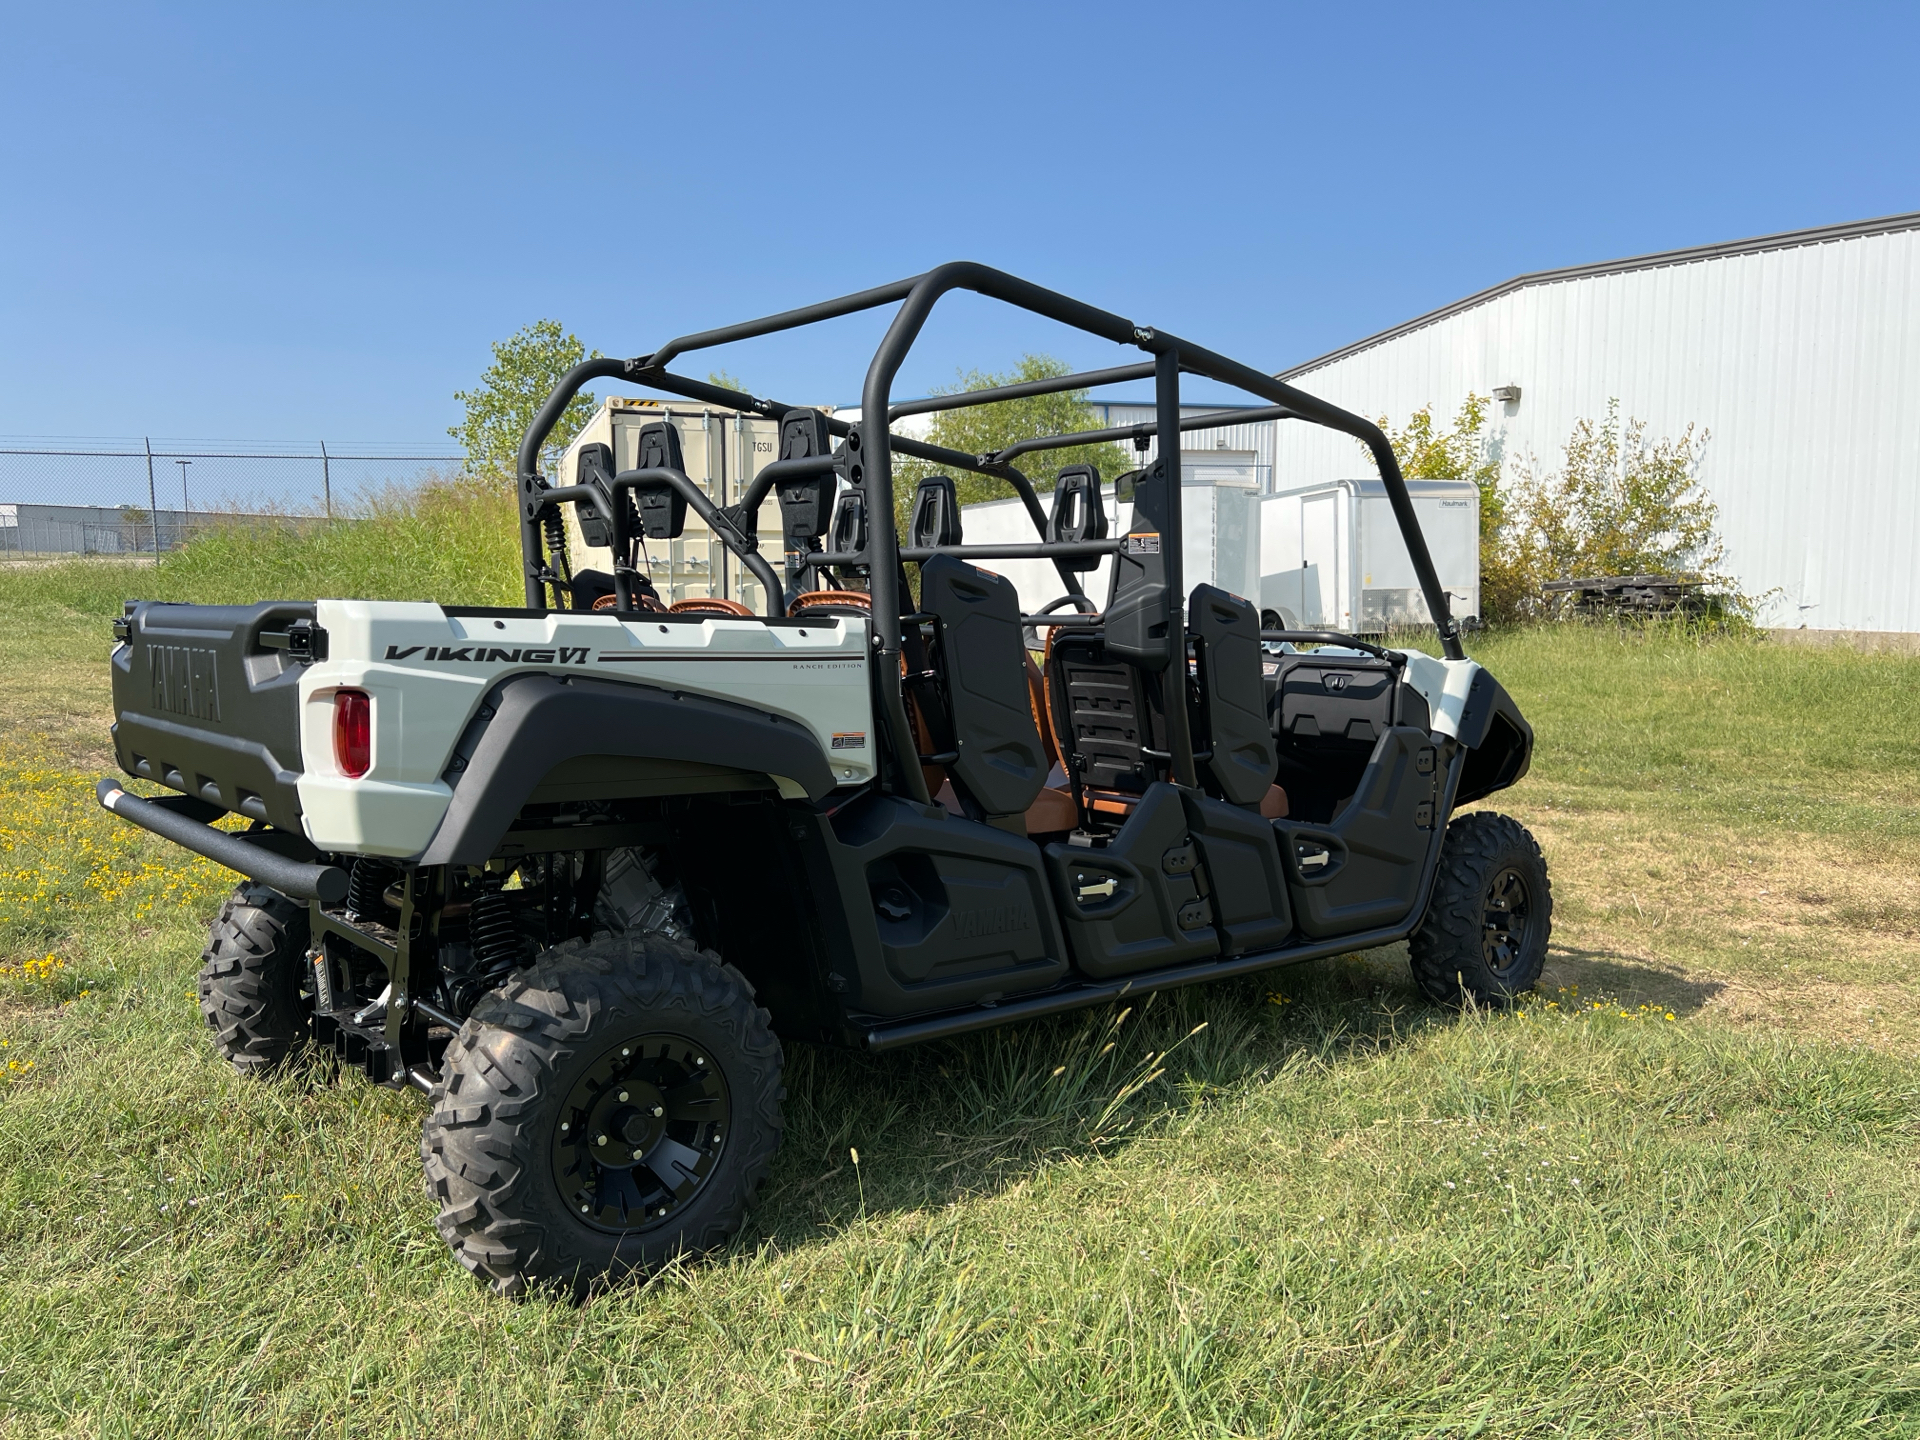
(850, 740)
(1147, 544)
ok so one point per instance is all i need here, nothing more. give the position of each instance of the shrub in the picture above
(1618, 504)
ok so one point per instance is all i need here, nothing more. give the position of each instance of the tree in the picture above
(984, 429)
(526, 367)
(1428, 452)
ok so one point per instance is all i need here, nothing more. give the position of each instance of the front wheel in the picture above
(611, 1106)
(1490, 916)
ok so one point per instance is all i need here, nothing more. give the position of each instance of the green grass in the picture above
(1329, 1211)
(453, 541)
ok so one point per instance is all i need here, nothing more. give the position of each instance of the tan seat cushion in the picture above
(1052, 811)
(709, 605)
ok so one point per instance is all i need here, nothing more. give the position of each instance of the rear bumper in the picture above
(302, 880)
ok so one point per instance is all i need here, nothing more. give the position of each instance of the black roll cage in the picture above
(867, 458)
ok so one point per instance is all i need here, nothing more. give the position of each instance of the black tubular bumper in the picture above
(297, 879)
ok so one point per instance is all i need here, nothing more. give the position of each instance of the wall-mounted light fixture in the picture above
(1507, 394)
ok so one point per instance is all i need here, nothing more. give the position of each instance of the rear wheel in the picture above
(251, 978)
(1487, 924)
(611, 1106)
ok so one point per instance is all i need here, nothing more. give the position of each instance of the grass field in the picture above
(1675, 1193)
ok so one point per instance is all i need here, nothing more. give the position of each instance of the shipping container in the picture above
(723, 450)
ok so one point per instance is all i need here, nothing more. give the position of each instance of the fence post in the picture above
(153, 500)
(326, 477)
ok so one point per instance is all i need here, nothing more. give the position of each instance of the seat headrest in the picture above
(1079, 513)
(806, 500)
(663, 509)
(848, 532)
(936, 514)
(593, 468)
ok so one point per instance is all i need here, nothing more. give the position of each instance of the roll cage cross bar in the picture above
(868, 458)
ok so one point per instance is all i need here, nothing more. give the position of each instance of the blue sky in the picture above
(276, 223)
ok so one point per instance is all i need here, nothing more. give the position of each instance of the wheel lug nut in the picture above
(564, 1127)
(623, 1096)
(599, 1139)
(658, 1111)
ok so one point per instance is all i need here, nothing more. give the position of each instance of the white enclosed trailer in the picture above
(1220, 531)
(1331, 556)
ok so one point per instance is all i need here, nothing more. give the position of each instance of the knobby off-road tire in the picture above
(573, 1089)
(1487, 925)
(251, 976)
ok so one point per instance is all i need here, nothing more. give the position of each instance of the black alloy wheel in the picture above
(1484, 936)
(640, 1133)
(609, 1107)
(1503, 935)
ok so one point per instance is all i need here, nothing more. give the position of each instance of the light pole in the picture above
(185, 508)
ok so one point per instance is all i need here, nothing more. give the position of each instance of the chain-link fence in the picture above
(116, 497)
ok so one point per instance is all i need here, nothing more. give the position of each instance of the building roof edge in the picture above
(1759, 244)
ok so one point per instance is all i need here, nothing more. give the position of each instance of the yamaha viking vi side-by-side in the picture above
(574, 869)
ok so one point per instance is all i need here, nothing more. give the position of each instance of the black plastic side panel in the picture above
(540, 721)
(785, 945)
(204, 707)
(1249, 886)
(1227, 632)
(1378, 844)
(983, 664)
(1154, 913)
(938, 910)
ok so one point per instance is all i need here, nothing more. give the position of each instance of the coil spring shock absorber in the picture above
(367, 890)
(495, 947)
(498, 945)
(561, 560)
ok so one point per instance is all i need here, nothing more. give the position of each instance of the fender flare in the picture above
(540, 720)
(1497, 737)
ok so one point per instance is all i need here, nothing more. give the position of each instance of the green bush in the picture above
(1618, 504)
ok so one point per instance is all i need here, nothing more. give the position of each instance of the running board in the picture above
(1056, 1002)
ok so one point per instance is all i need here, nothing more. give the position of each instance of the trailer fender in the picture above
(540, 721)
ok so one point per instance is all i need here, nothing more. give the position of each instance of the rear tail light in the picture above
(352, 732)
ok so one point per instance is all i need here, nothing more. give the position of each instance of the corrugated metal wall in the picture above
(1803, 364)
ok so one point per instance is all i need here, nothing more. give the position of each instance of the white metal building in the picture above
(1798, 353)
